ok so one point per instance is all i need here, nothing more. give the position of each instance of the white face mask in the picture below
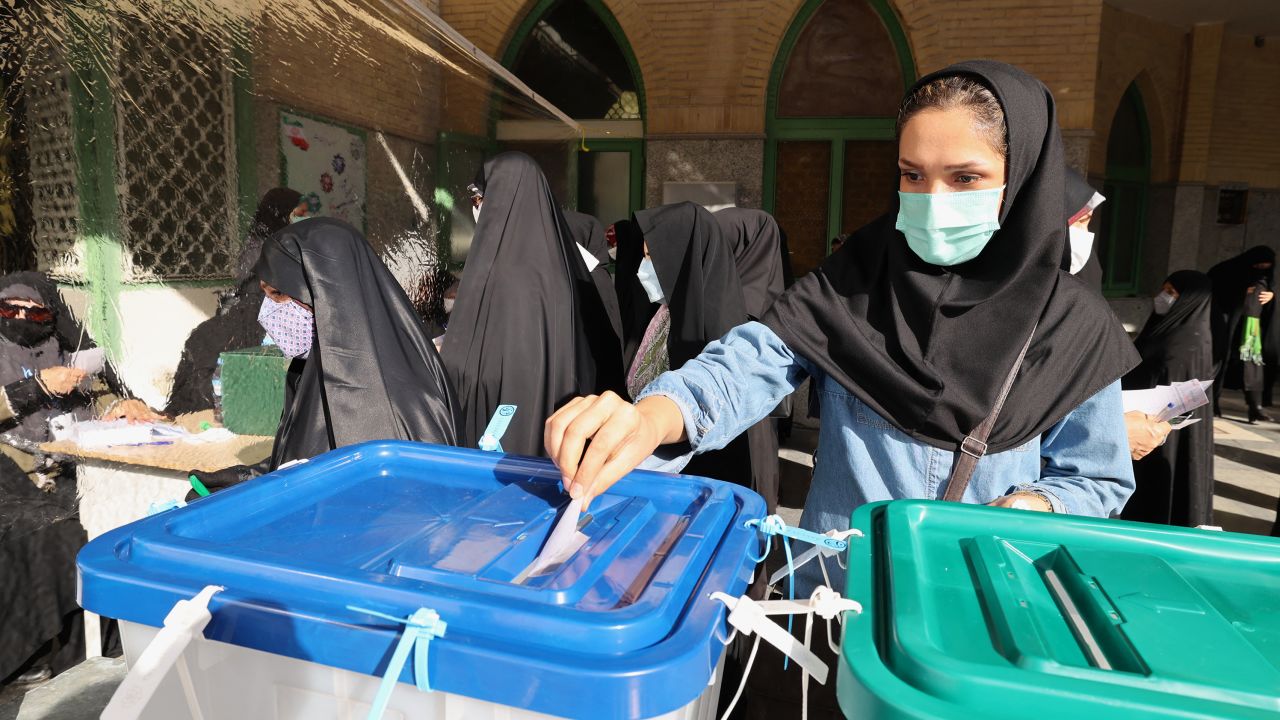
(448, 305)
(475, 212)
(648, 278)
(1162, 303)
(1081, 247)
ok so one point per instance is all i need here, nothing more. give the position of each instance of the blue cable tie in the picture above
(497, 428)
(420, 629)
(775, 525)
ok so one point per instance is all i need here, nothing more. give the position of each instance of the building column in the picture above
(1197, 131)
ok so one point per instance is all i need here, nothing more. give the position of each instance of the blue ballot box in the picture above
(410, 560)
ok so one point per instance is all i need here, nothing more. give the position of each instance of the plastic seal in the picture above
(490, 439)
(421, 628)
(185, 622)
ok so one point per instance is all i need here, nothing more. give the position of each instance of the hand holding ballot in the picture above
(1166, 402)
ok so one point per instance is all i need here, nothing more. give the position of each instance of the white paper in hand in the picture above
(564, 541)
(1168, 401)
(91, 360)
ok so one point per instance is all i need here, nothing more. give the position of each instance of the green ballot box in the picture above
(978, 612)
(253, 390)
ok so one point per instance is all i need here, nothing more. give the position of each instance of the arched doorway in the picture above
(574, 53)
(831, 159)
(1128, 180)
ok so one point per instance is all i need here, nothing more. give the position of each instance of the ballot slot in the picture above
(1043, 612)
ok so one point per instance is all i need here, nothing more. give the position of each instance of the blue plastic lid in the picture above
(624, 628)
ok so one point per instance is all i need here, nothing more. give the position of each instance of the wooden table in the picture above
(119, 485)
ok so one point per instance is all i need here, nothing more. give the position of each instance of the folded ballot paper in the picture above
(565, 540)
(1167, 402)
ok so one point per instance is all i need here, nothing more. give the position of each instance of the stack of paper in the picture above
(1166, 402)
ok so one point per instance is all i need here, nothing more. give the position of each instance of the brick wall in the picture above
(1246, 106)
(1055, 40)
(1154, 54)
(358, 75)
(706, 63)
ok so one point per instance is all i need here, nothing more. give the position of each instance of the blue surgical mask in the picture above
(296, 218)
(648, 278)
(949, 228)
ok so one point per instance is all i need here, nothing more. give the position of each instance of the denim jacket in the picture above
(1081, 465)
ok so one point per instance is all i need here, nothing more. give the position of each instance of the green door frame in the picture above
(636, 148)
(1134, 177)
(836, 130)
(634, 145)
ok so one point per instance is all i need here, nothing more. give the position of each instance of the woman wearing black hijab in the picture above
(1175, 481)
(1081, 257)
(914, 331)
(529, 327)
(363, 367)
(678, 289)
(588, 232)
(40, 533)
(1239, 284)
(235, 325)
(756, 243)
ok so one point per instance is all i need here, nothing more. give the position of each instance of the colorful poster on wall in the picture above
(326, 163)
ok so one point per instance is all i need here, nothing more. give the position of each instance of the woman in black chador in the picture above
(1175, 481)
(1241, 287)
(363, 366)
(529, 327)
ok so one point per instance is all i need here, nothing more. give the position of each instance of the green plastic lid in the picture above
(978, 612)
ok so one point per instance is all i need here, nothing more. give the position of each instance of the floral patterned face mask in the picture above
(291, 326)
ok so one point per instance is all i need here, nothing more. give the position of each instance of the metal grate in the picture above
(175, 152)
(55, 201)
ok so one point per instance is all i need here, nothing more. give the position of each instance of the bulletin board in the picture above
(326, 162)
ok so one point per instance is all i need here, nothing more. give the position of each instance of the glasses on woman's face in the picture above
(34, 313)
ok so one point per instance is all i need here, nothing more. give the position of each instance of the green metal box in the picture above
(253, 390)
(976, 612)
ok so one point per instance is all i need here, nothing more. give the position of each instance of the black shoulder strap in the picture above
(974, 445)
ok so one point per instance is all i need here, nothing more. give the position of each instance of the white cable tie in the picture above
(750, 617)
(184, 623)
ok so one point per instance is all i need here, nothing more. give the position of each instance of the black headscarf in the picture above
(529, 327)
(30, 346)
(272, 215)
(589, 233)
(372, 374)
(756, 242)
(699, 280)
(928, 347)
(1175, 481)
(1079, 194)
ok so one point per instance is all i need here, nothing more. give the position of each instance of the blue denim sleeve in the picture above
(1087, 468)
(735, 383)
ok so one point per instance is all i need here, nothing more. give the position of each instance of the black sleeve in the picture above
(26, 396)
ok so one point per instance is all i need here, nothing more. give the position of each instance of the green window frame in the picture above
(635, 146)
(1126, 181)
(837, 130)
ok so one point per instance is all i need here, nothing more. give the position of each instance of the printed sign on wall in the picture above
(326, 163)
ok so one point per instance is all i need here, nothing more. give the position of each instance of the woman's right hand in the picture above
(60, 380)
(1145, 433)
(596, 440)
